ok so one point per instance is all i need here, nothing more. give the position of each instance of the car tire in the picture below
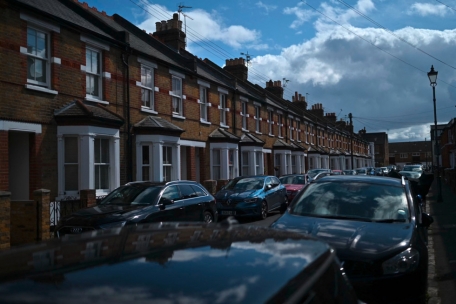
(264, 210)
(208, 217)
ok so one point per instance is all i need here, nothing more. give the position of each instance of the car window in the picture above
(198, 190)
(187, 191)
(275, 181)
(148, 196)
(171, 193)
(123, 195)
(354, 199)
(268, 181)
(246, 184)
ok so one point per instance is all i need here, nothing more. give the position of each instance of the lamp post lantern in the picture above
(432, 74)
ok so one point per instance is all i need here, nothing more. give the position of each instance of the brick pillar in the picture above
(35, 176)
(204, 165)
(4, 167)
(42, 204)
(211, 186)
(191, 163)
(5, 219)
(88, 198)
(221, 183)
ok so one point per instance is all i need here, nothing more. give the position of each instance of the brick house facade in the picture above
(90, 101)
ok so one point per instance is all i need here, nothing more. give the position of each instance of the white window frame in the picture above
(403, 155)
(298, 130)
(203, 101)
(257, 119)
(44, 59)
(67, 164)
(102, 164)
(245, 163)
(155, 150)
(223, 107)
(270, 122)
(167, 163)
(147, 89)
(216, 165)
(229, 155)
(280, 125)
(86, 136)
(177, 95)
(244, 115)
(290, 128)
(97, 76)
(46, 28)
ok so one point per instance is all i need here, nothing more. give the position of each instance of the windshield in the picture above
(364, 201)
(245, 184)
(132, 195)
(412, 168)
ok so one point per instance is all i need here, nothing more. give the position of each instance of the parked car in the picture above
(176, 263)
(350, 172)
(413, 168)
(143, 202)
(251, 196)
(338, 172)
(411, 174)
(293, 184)
(365, 171)
(313, 172)
(377, 229)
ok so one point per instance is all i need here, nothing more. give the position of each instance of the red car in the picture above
(293, 183)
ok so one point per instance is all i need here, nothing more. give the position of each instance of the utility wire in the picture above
(446, 5)
(209, 46)
(403, 61)
(392, 33)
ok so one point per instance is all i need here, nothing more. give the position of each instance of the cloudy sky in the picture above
(366, 57)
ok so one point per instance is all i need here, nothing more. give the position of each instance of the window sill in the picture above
(205, 122)
(224, 126)
(259, 133)
(245, 130)
(281, 137)
(271, 135)
(178, 116)
(89, 98)
(148, 110)
(41, 89)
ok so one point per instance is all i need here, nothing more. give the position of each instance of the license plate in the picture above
(228, 212)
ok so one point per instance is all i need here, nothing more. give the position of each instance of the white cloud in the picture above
(428, 9)
(206, 26)
(266, 7)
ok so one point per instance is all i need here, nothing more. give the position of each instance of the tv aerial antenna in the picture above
(285, 81)
(248, 57)
(185, 19)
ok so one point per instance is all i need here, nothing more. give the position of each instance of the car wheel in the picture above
(208, 218)
(264, 210)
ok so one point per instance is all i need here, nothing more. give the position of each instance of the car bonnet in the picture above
(349, 237)
(161, 263)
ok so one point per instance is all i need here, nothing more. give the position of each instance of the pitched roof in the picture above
(85, 112)
(156, 123)
(221, 134)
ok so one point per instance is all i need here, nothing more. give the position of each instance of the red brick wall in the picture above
(5, 221)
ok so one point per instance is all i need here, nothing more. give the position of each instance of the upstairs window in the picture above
(93, 73)
(257, 119)
(223, 109)
(244, 114)
(270, 122)
(298, 130)
(280, 124)
(177, 95)
(204, 101)
(147, 87)
(37, 57)
(290, 129)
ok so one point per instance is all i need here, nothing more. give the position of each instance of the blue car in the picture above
(253, 196)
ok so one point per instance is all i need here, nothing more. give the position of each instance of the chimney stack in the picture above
(237, 67)
(275, 88)
(317, 110)
(170, 32)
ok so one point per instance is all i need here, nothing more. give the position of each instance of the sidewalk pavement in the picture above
(442, 245)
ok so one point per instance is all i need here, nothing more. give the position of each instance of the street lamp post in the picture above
(432, 74)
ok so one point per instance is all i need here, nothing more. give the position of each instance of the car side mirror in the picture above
(165, 201)
(426, 220)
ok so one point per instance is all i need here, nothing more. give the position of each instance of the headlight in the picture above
(250, 200)
(405, 261)
(113, 225)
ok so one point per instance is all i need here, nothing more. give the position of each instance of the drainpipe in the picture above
(129, 151)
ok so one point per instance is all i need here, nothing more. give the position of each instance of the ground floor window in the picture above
(71, 164)
(167, 163)
(101, 163)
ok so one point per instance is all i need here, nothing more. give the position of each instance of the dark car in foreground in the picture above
(175, 263)
(143, 202)
(251, 196)
(293, 184)
(377, 228)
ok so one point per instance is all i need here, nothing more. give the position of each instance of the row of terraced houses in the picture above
(90, 101)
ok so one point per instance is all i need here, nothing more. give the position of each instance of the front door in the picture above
(19, 165)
